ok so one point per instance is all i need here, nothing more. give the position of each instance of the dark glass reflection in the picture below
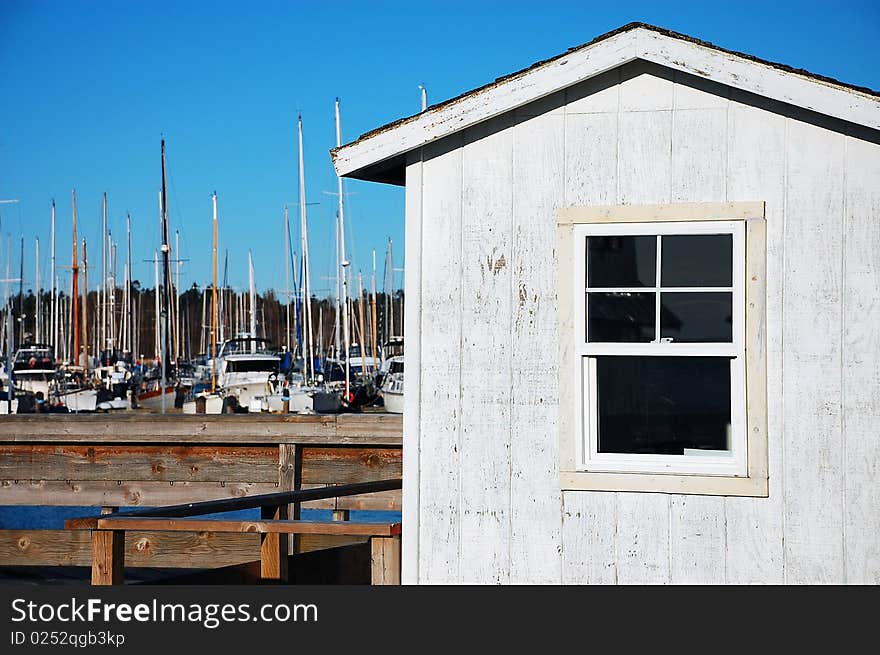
(662, 405)
(697, 260)
(622, 261)
(698, 316)
(621, 316)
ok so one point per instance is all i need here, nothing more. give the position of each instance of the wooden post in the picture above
(274, 547)
(108, 557)
(385, 560)
(341, 514)
(290, 479)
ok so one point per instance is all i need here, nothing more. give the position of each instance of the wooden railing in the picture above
(108, 530)
(150, 460)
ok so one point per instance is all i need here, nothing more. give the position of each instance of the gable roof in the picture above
(379, 155)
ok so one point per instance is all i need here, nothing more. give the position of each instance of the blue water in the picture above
(15, 517)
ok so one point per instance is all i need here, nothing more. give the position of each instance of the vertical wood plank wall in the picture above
(489, 505)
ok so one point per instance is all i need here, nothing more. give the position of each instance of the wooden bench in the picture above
(274, 527)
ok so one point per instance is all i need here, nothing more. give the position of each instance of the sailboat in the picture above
(162, 395)
(310, 393)
(71, 387)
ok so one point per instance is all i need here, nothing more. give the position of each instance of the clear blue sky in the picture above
(88, 88)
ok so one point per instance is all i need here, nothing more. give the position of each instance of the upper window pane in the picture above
(621, 262)
(697, 260)
(621, 317)
(697, 316)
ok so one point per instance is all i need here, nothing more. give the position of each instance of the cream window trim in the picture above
(571, 399)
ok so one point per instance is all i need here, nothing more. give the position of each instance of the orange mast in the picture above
(85, 300)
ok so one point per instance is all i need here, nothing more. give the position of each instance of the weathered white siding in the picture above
(481, 221)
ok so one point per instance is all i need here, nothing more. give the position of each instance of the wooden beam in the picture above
(386, 501)
(385, 560)
(290, 479)
(200, 550)
(274, 547)
(97, 493)
(180, 429)
(264, 500)
(108, 557)
(349, 464)
(139, 463)
(265, 526)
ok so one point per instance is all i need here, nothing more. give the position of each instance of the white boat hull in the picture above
(83, 400)
(393, 402)
(152, 400)
(114, 403)
(4, 406)
(213, 405)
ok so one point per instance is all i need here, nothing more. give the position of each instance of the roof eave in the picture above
(375, 151)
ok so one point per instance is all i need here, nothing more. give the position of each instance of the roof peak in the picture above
(636, 48)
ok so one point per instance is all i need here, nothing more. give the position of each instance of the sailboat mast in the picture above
(10, 321)
(37, 314)
(287, 276)
(85, 323)
(223, 297)
(111, 288)
(389, 292)
(343, 263)
(9, 325)
(253, 295)
(166, 280)
(336, 325)
(308, 349)
(102, 289)
(178, 336)
(74, 294)
(129, 324)
(157, 333)
(361, 326)
(373, 312)
(21, 315)
(53, 313)
(214, 303)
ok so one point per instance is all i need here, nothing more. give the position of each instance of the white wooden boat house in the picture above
(654, 265)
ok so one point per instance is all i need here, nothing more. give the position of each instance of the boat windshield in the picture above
(252, 365)
(247, 346)
(34, 357)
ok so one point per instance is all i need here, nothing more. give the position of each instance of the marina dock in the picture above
(141, 461)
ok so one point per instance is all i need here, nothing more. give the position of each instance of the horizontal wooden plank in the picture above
(264, 502)
(142, 549)
(363, 429)
(383, 501)
(348, 528)
(350, 464)
(135, 463)
(152, 494)
(321, 465)
(110, 493)
(312, 542)
(686, 211)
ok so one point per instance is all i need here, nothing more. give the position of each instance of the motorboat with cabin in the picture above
(33, 369)
(391, 388)
(248, 371)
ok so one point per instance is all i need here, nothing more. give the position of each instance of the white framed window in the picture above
(663, 382)
(662, 355)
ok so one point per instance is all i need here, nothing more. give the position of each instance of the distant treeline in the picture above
(194, 324)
